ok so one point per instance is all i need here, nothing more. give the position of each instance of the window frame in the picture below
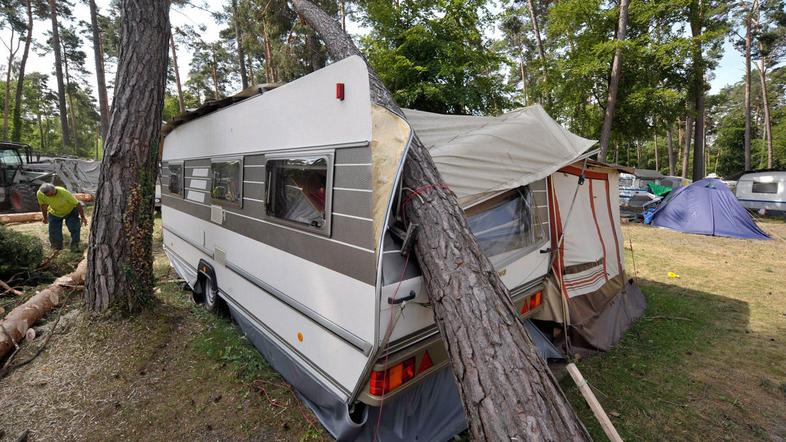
(503, 259)
(182, 180)
(221, 202)
(329, 156)
(760, 183)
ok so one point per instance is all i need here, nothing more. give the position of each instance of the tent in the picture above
(706, 207)
(481, 157)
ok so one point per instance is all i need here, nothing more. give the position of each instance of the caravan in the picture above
(763, 192)
(285, 205)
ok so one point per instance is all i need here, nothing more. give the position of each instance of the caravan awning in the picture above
(478, 156)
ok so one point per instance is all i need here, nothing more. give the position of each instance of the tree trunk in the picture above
(614, 81)
(120, 260)
(616, 153)
(8, 218)
(71, 108)
(536, 29)
(523, 73)
(766, 105)
(241, 55)
(507, 390)
(16, 323)
(180, 100)
(657, 156)
(670, 148)
(65, 131)
(98, 52)
(214, 76)
(748, 41)
(686, 146)
(696, 25)
(16, 134)
(7, 98)
(638, 154)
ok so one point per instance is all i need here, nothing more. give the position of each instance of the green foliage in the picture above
(432, 55)
(21, 252)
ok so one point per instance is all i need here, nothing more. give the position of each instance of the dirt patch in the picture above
(147, 378)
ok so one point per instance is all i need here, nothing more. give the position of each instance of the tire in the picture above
(209, 298)
(23, 198)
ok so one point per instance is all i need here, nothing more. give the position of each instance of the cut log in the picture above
(14, 326)
(84, 197)
(5, 288)
(28, 217)
(507, 390)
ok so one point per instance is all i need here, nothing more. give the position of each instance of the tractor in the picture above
(18, 186)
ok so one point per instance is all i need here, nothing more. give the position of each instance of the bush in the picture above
(18, 252)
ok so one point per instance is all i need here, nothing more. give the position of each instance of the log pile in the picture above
(14, 326)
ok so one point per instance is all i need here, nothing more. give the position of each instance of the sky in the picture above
(729, 71)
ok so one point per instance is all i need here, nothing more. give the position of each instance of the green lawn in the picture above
(708, 359)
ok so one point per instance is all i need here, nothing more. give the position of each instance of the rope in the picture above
(388, 333)
(418, 192)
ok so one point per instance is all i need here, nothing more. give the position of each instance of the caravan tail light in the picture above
(340, 91)
(534, 301)
(388, 380)
(425, 363)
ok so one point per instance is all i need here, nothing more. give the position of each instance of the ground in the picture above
(708, 360)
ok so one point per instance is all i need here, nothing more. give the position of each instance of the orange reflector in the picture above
(425, 363)
(392, 378)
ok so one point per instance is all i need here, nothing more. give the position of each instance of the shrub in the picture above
(18, 252)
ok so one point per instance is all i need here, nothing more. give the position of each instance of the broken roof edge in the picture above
(214, 105)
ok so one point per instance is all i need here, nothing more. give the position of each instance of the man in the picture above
(58, 204)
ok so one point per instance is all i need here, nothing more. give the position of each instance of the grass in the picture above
(709, 355)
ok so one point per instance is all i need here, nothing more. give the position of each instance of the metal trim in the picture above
(303, 309)
(190, 242)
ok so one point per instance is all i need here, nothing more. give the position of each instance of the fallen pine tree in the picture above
(14, 326)
(507, 390)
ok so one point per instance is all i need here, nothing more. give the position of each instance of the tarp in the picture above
(658, 190)
(707, 207)
(481, 155)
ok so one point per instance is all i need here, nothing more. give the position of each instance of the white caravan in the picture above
(763, 192)
(285, 204)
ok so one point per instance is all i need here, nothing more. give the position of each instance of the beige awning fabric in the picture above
(478, 156)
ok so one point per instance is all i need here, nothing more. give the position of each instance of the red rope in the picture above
(419, 191)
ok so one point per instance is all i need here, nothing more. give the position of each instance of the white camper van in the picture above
(763, 192)
(284, 204)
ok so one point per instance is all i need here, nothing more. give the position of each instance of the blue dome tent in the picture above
(706, 207)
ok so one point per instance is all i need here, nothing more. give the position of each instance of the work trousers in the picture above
(73, 224)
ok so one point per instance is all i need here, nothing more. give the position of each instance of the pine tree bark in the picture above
(507, 390)
(7, 97)
(536, 29)
(748, 43)
(686, 145)
(614, 81)
(697, 11)
(98, 52)
(65, 131)
(765, 100)
(180, 100)
(241, 54)
(670, 147)
(16, 133)
(120, 260)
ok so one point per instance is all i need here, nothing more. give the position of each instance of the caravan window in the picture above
(507, 223)
(299, 191)
(226, 182)
(759, 187)
(176, 178)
